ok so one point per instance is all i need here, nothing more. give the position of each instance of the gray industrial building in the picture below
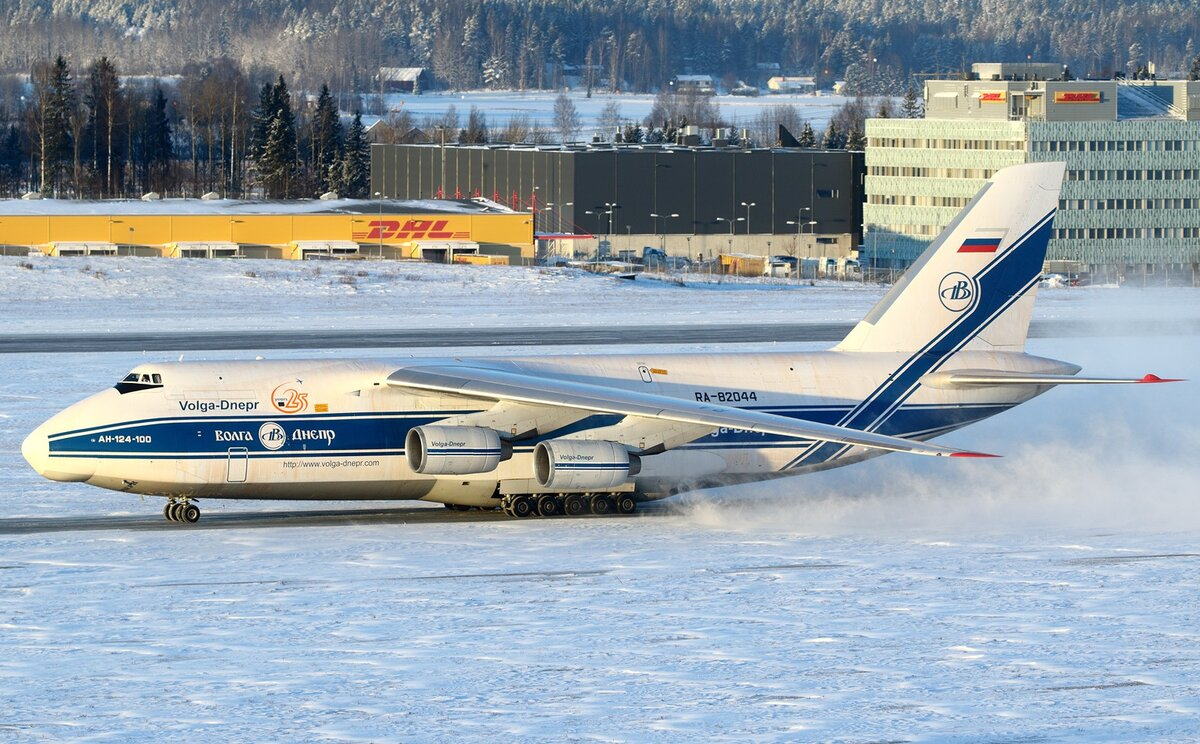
(693, 201)
(1130, 203)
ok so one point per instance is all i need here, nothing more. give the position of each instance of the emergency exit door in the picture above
(239, 458)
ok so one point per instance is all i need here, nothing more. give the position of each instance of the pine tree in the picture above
(356, 174)
(833, 140)
(277, 154)
(11, 159)
(808, 138)
(1194, 73)
(156, 142)
(855, 140)
(327, 139)
(911, 107)
(261, 118)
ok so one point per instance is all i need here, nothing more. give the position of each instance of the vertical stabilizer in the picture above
(974, 286)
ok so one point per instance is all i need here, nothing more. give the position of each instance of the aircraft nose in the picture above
(36, 450)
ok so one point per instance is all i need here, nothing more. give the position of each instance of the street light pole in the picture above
(799, 231)
(747, 206)
(731, 222)
(658, 228)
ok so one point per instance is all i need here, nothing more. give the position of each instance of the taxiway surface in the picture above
(412, 338)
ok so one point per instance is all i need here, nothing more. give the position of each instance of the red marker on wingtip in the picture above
(1150, 378)
(972, 454)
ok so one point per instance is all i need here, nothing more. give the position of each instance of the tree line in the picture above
(516, 44)
(98, 135)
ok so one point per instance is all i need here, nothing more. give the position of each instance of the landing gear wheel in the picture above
(521, 507)
(174, 515)
(190, 513)
(626, 504)
(575, 505)
(549, 506)
(602, 504)
(167, 511)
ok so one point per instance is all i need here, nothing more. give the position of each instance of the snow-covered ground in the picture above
(40, 294)
(1049, 595)
(500, 106)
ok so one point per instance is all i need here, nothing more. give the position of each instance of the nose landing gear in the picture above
(181, 510)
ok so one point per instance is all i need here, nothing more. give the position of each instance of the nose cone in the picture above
(36, 450)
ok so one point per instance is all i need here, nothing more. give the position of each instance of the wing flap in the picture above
(491, 383)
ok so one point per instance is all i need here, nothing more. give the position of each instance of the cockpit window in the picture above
(135, 381)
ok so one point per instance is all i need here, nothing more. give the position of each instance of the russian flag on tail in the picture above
(984, 241)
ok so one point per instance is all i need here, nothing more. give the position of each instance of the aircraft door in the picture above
(238, 464)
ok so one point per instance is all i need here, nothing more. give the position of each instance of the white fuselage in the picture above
(336, 430)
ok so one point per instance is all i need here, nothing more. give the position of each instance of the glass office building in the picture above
(1132, 190)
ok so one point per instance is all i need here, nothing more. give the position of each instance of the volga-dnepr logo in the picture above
(956, 291)
(272, 436)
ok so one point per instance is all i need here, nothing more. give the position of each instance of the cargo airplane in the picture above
(549, 435)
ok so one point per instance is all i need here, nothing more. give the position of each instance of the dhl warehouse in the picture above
(465, 231)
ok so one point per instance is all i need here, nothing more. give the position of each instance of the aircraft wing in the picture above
(489, 383)
(976, 377)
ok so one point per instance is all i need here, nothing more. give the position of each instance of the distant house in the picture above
(792, 84)
(693, 84)
(404, 79)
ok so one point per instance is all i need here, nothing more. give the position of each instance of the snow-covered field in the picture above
(1049, 595)
(44, 295)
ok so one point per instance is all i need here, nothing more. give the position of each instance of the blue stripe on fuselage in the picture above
(384, 434)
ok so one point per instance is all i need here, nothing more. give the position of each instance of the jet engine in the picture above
(454, 450)
(582, 465)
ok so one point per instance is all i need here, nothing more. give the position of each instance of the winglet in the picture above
(1150, 378)
(972, 454)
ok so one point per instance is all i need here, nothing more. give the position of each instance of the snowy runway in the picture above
(1048, 595)
(598, 630)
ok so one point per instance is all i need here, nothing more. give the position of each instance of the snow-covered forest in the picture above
(111, 98)
(637, 46)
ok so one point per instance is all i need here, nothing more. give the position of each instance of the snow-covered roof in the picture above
(66, 207)
(400, 74)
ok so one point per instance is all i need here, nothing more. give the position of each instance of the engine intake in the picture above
(582, 465)
(454, 450)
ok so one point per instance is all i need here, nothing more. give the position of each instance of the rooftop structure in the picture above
(1132, 148)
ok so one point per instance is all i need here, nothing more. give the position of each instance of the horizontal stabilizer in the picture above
(984, 377)
(494, 383)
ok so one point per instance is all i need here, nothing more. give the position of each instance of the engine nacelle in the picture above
(582, 465)
(454, 450)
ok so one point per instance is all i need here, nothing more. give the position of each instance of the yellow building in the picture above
(296, 230)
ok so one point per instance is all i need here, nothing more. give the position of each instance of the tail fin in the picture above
(975, 285)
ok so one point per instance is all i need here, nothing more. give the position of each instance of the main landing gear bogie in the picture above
(181, 511)
(571, 505)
